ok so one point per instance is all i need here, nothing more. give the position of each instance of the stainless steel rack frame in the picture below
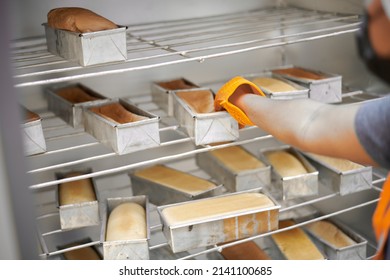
(160, 45)
(192, 40)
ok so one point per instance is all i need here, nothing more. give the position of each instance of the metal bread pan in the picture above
(222, 228)
(234, 180)
(204, 128)
(341, 181)
(297, 186)
(90, 48)
(79, 214)
(161, 90)
(327, 89)
(124, 138)
(162, 194)
(69, 112)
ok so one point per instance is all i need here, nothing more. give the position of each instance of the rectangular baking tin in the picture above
(124, 138)
(327, 90)
(86, 242)
(293, 186)
(80, 214)
(233, 181)
(275, 251)
(205, 128)
(159, 194)
(356, 251)
(137, 249)
(211, 231)
(33, 139)
(343, 182)
(89, 48)
(71, 113)
(300, 92)
(162, 97)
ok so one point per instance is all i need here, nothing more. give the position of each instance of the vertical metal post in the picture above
(17, 228)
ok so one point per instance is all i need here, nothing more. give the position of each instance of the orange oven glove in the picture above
(381, 220)
(227, 90)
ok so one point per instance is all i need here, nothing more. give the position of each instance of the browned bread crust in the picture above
(300, 73)
(75, 95)
(78, 20)
(244, 251)
(117, 113)
(200, 101)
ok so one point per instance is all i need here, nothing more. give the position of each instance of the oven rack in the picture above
(248, 136)
(59, 135)
(159, 44)
(218, 248)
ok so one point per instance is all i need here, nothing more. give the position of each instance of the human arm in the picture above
(306, 124)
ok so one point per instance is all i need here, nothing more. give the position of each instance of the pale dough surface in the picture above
(295, 244)
(76, 191)
(175, 179)
(215, 207)
(330, 233)
(126, 221)
(237, 159)
(273, 85)
(285, 163)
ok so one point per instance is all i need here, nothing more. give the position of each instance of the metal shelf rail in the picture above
(160, 44)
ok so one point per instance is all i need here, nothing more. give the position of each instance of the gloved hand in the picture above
(221, 100)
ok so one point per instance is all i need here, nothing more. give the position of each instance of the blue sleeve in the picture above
(372, 125)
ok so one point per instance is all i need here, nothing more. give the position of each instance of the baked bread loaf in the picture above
(337, 163)
(273, 85)
(127, 221)
(244, 251)
(285, 163)
(115, 112)
(86, 253)
(175, 179)
(295, 244)
(200, 101)
(237, 159)
(215, 207)
(78, 191)
(300, 73)
(176, 84)
(330, 233)
(77, 19)
(75, 95)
